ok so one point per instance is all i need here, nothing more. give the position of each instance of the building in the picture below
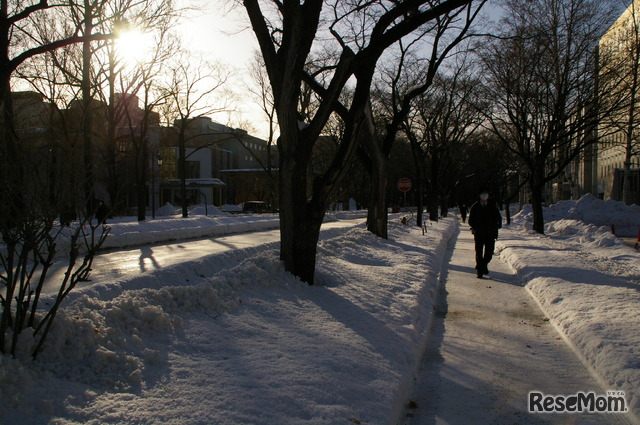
(619, 139)
(134, 161)
(580, 175)
(223, 165)
(119, 140)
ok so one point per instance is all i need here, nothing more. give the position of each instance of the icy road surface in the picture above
(125, 263)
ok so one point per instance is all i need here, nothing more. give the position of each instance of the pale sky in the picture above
(220, 33)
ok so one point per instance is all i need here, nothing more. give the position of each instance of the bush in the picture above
(31, 245)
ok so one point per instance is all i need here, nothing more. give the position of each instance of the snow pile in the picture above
(96, 339)
(591, 210)
(250, 344)
(588, 283)
(597, 236)
(124, 233)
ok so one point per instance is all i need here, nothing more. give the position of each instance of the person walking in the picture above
(463, 212)
(484, 220)
(102, 212)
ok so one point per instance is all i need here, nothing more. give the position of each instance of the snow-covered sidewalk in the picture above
(251, 345)
(591, 295)
(490, 347)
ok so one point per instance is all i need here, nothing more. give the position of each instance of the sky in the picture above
(219, 32)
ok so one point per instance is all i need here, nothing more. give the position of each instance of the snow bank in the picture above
(590, 210)
(588, 283)
(249, 344)
(171, 210)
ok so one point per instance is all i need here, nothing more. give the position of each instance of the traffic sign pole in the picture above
(404, 185)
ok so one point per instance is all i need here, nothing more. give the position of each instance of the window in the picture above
(168, 169)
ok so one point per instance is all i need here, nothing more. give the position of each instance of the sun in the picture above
(133, 46)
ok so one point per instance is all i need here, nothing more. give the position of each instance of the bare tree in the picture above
(18, 43)
(287, 33)
(540, 74)
(260, 89)
(407, 79)
(89, 77)
(440, 127)
(130, 126)
(28, 164)
(189, 92)
(258, 86)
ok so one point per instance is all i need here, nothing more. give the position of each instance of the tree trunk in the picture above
(631, 124)
(628, 153)
(444, 206)
(507, 213)
(420, 203)
(418, 162)
(626, 181)
(141, 180)
(299, 227)
(537, 187)
(377, 214)
(111, 137)
(87, 113)
(433, 198)
(182, 171)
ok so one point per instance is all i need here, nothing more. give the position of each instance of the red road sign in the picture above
(404, 184)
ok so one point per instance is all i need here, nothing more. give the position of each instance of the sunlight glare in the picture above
(134, 46)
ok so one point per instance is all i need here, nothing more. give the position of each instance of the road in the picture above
(125, 263)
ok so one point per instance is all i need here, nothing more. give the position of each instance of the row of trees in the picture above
(619, 68)
(541, 76)
(528, 90)
(91, 72)
(325, 47)
(518, 104)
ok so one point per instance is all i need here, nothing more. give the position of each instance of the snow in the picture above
(587, 281)
(232, 338)
(591, 211)
(172, 226)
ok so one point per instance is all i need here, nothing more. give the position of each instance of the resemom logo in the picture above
(587, 402)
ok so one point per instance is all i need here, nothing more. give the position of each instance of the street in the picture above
(122, 264)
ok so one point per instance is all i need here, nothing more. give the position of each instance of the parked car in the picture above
(256, 207)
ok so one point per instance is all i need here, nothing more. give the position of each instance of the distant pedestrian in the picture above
(485, 220)
(463, 212)
(101, 213)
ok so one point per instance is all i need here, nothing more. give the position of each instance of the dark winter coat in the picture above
(485, 220)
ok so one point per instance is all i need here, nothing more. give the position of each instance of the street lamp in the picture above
(155, 159)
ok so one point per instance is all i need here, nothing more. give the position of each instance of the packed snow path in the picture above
(490, 346)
